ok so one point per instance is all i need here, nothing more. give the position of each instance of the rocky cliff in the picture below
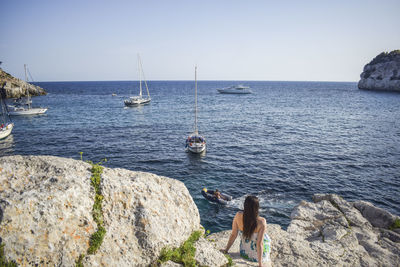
(46, 207)
(331, 232)
(382, 73)
(18, 88)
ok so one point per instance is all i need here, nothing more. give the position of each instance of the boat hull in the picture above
(196, 143)
(209, 195)
(233, 92)
(136, 102)
(24, 112)
(196, 148)
(6, 131)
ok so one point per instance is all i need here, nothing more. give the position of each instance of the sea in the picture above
(283, 143)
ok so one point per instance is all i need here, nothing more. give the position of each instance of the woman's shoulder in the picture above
(239, 214)
(261, 221)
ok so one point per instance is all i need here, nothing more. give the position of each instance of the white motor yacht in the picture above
(236, 89)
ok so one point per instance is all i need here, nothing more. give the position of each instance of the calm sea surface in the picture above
(283, 143)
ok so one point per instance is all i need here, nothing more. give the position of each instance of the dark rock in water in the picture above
(16, 88)
(382, 73)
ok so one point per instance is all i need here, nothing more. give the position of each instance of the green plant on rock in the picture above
(96, 239)
(184, 254)
(79, 263)
(3, 261)
(229, 258)
(395, 224)
(207, 233)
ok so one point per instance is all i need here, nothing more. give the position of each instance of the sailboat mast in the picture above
(27, 89)
(195, 100)
(140, 76)
(144, 78)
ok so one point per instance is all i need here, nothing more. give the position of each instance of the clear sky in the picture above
(78, 40)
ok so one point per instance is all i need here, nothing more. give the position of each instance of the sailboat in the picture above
(25, 108)
(195, 142)
(139, 100)
(6, 125)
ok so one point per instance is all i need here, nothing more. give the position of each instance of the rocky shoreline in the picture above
(16, 88)
(382, 73)
(46, 208)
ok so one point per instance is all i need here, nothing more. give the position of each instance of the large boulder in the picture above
(382, 73)
(46, 204)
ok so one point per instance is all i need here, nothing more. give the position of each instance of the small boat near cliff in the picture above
(236, 89)
(21, 107)
(209, 195)
(140, 99)
(6, 125)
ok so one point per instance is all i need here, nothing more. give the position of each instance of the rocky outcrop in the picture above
(46, 219)
(46, 204)
(329, 232)
(18, 88)
(382, 73)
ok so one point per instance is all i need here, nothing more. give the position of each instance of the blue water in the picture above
(283, 143)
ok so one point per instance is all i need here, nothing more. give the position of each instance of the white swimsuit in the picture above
(248, 248)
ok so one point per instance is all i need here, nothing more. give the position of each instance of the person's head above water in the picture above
(250, 214)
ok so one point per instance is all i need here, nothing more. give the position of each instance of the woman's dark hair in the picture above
(250, 214)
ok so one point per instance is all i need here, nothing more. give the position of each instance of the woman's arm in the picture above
(260, 238)
(233, 235)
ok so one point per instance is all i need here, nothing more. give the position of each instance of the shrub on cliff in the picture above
(385, 57)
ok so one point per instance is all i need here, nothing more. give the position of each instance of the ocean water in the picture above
(283, 143)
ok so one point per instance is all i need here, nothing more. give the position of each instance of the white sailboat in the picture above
(6, 125)
(25, 108)
(139, 100)
(195, 142)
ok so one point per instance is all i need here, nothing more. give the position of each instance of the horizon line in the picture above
(156, 80)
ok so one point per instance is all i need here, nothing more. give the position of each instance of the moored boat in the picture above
(21, 108)
(140, 99)
(195, 142)
(6, 125)
(236, 89)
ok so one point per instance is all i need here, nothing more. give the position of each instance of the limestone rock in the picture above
(45, 208)
(382, 73)
(45, 219)
(329, 232)
(208, 255)
(16, 88)
(45, 213)
(171, 264)
(143, 213)
(376, 216)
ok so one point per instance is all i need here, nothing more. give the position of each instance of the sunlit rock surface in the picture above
(382, 73)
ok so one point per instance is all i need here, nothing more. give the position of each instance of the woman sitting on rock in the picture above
(255, 244)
